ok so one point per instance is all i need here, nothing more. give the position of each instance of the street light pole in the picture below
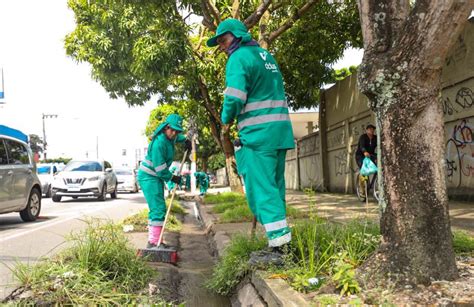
(45, 144)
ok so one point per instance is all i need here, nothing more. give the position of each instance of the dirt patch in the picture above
(185, 282)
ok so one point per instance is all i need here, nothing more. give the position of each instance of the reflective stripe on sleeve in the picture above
(147, 170)
(161, 167)
(234, 92)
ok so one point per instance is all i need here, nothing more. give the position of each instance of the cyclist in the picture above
(366, 146)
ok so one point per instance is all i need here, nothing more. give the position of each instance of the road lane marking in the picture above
(52, 223)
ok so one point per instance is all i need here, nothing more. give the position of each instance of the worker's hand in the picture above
(176, 179)
(366, 154)
(188, 145)
(237, 143)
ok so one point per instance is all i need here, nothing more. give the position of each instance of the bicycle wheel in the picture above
(361, 186)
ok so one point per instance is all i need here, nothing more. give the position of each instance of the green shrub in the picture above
(463, 242)
(99, 267)
(344, 275)
(233, 266)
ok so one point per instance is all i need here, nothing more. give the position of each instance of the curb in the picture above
(256, 290)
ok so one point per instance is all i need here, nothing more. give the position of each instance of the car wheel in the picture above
(114, 193)
(33, 208)
(48, 192)
(103, 195)
(135, 190)
(74, 197)
(56, 198)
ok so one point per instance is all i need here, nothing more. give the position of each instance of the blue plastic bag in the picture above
(368, 167)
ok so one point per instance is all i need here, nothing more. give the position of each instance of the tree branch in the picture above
(236, 9)
(214, 11)
(206, 17)
(290, 22)
(254, 18)
(442, 21)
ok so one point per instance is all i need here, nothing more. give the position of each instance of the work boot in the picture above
(271, 256)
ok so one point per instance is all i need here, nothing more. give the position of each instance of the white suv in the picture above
(84, 179)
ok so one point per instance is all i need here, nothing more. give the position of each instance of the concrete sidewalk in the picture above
(341, 207)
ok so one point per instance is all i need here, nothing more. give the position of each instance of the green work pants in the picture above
(153, 190)
(263, 172)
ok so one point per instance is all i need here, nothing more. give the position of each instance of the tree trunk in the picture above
(204, 160)
(230, 164)
(417, 239)
(404, 50)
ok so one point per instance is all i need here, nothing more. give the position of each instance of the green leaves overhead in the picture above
(134, 47)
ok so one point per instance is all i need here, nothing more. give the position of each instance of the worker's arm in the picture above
(180, 138)
(235, 95)
(159, 162)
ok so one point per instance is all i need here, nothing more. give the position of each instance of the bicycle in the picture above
(362, 189)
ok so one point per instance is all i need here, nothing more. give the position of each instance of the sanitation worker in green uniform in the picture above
(203, 180)
(154, 172)
(254, 94)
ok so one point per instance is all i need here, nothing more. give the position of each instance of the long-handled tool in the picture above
(163, 253)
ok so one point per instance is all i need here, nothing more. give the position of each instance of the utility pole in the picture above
(45, 144)
(193, 133)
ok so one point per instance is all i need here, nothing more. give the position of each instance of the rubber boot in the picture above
(153, 235)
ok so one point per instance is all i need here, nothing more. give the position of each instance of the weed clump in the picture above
(233, 266)
(139, 221)
(99, 268)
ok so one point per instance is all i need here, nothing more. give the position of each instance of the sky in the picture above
(39, 78)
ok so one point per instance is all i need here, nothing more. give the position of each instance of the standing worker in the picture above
(154, 172)
(255, 95)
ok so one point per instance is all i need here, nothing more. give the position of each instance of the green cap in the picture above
(174, 121)
(231, 25)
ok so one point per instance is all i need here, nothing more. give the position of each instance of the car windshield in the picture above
(44, 169)
(76, 166)
(123, 172)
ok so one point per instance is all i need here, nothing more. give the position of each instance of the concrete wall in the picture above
(344, 114)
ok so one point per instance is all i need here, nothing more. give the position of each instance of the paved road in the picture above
(27, 242)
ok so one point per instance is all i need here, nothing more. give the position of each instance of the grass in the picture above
(99, 268)
(234, 209)
(226, 197)
(233, 266)
(463, 243)
(317, 247)
(139, 221)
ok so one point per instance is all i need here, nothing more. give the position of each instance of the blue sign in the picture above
(2, 95)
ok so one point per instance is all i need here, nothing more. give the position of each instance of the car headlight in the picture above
(95, 178)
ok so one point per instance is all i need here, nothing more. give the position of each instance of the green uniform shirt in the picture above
(159, 157)
(255, 95)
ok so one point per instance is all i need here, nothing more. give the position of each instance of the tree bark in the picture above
(401, 76)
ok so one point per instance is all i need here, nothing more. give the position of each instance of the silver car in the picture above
(127, 180)
(20, 188)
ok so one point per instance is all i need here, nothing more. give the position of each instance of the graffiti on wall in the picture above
(463, 100)
(340, 162)
(460, 154)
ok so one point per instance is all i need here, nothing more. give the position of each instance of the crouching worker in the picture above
(154, 172)
(203, 180)
(255, 96)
